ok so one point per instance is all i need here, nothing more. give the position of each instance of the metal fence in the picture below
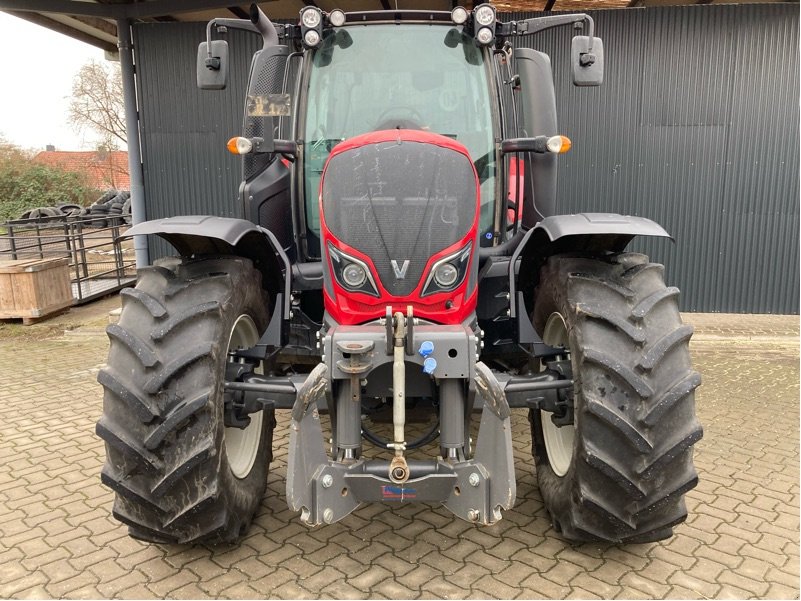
(100, 263)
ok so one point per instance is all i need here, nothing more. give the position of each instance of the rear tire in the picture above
(621, 475)
(178, 473)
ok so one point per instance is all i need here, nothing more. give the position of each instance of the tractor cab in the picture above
(336, 75)
(433, 78)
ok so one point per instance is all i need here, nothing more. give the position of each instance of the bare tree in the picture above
(97, 103)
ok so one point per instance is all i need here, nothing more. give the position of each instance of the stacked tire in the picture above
(112, 208)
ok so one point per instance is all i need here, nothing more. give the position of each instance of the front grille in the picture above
(401, 201)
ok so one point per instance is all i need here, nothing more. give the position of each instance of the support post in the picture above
(138, 211)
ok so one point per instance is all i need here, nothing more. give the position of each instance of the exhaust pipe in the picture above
(264, 25)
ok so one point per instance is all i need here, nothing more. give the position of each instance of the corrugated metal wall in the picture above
(184, 130)
(696, 127)
(187, 169)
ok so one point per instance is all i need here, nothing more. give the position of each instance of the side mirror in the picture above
(587, 63)
(212, 65)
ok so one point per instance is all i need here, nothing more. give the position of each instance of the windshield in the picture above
(373, 77)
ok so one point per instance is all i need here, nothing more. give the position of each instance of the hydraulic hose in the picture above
(426, 438)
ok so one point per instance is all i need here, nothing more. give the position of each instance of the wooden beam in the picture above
(549, 5)
(157, 8)
(239, 12)
(99, 24)
(56, 26)
(67, 7)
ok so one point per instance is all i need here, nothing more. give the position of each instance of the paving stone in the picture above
(441, 588)
(110, 588)
(727, 591)
(167, 584)
(35, 592)
(416, 577)
(495, 588)
(23, 582)
(369, 578)
(291, 590)
(642, 581)
(343, 590)
(215, 585)
(468, 575)
(394, 590)
(57, 538)
(243, 590)
(138, 591)
(780, 591)
(787, 577)
(577, 592)
(188, 591)
(443, 564)
(588, 582)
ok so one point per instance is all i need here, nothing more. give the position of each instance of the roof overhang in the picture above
(95, 21)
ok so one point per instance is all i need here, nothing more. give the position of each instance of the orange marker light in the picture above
(239, 145)
(559, 144)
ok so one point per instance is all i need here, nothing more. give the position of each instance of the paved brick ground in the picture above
(57, 538)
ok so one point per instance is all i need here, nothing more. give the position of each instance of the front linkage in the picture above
(475, 486)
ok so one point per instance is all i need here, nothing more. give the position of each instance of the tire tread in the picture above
(162, 420)
(633, 462)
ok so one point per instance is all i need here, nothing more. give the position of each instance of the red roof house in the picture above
(103, 169)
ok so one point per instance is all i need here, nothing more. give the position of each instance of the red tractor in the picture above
(402, 253)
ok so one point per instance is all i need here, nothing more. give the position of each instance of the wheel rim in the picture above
(242, 445)
(558, 440)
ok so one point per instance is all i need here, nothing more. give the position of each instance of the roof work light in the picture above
(484, 20)
(311, 26)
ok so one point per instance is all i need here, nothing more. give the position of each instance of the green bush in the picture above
(26, 185)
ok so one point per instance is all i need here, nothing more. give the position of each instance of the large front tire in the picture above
(619, 473)
(178, 473)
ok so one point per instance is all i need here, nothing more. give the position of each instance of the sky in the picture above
(38, 69)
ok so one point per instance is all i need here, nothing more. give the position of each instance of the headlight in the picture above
(336, 17)
(484, 36)
(351, 273)
(445, 275)
(354, 275)
(311, 26)
(459, 15)
(484, 15)
(311, 17)
(449, 272)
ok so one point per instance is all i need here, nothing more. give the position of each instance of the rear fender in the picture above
(206, 235)
(584, 232)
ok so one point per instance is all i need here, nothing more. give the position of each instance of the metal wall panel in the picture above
(696, 127)
(184, 130)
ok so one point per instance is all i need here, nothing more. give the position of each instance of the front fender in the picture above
(588, 232)
(207, 235)
(618, 229)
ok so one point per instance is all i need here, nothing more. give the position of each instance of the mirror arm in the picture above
(262, 25)
(590, 31)
(288, 148)
(538, 144)
(537, 24)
